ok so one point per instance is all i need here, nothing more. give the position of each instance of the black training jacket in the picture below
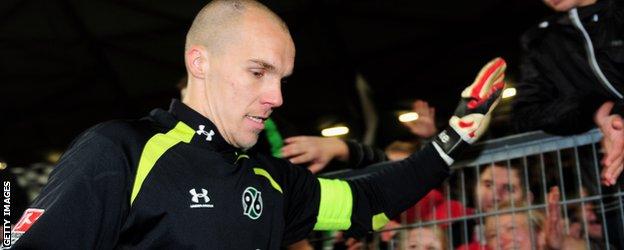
(170, 181)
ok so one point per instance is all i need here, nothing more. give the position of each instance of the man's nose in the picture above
(591, 216)
(501, 194)
(273, 96)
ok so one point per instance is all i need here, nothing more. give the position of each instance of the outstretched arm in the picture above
(320, 151)
(366, 204)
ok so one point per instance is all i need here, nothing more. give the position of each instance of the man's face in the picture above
(594, 227)
(243, 83)
(498, 184)
(565, 5)
(511, 231)
(423, 239)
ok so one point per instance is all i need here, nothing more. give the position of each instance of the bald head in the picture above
(219, 23)
(237, 55)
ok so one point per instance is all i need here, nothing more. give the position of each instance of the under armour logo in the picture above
(196, 196)
(208, 134)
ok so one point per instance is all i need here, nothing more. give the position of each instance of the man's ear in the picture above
(196, 60)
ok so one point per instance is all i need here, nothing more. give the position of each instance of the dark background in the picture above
(66, 65)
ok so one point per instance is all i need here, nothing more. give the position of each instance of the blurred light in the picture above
(509, 92)
(3, 165)
(408, 117)
(335, 131)
(53, 156)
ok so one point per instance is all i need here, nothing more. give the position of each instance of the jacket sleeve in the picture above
(83, 204)
(542, 104)
(396, 187)
(364, 204)
(361, 155)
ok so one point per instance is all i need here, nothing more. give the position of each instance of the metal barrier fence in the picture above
(497, 196)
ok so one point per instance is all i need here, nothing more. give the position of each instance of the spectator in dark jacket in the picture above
(573, 63)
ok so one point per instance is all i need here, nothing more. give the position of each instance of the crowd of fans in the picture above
(503, 213)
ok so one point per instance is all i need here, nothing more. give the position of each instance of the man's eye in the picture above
(258, 74)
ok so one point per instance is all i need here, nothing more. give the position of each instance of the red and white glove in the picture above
(473, 113)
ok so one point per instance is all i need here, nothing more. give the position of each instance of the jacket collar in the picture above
(206, 133)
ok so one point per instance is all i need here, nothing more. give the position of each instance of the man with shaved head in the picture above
(237, 55)
(183, 179)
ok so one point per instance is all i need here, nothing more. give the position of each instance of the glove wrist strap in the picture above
(450, 142)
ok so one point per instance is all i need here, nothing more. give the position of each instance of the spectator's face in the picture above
(594, 227)
(423, 239)
(244, 81)
(498, 184)
(565, 5)
(584, 213)
(511, 231)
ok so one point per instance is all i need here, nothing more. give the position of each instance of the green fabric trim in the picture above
(380, 220)
(154, 149)
(335, 207)
(241, 156)
(274, 137)
(260, 171)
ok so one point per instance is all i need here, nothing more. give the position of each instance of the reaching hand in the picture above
(386, 236)
(612, 128)
(424, 126)
(473, 113)
(350, 243)
(554, 224)
(472, 116)
(553, 227)
(317, 151)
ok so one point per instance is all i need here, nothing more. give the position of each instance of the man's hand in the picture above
(317, 151)
(612, 128)
(350, 243)
(424, 126)
(553, 226)
(472, 115)
(386, 236)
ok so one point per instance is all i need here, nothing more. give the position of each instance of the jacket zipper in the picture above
(591, 56)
